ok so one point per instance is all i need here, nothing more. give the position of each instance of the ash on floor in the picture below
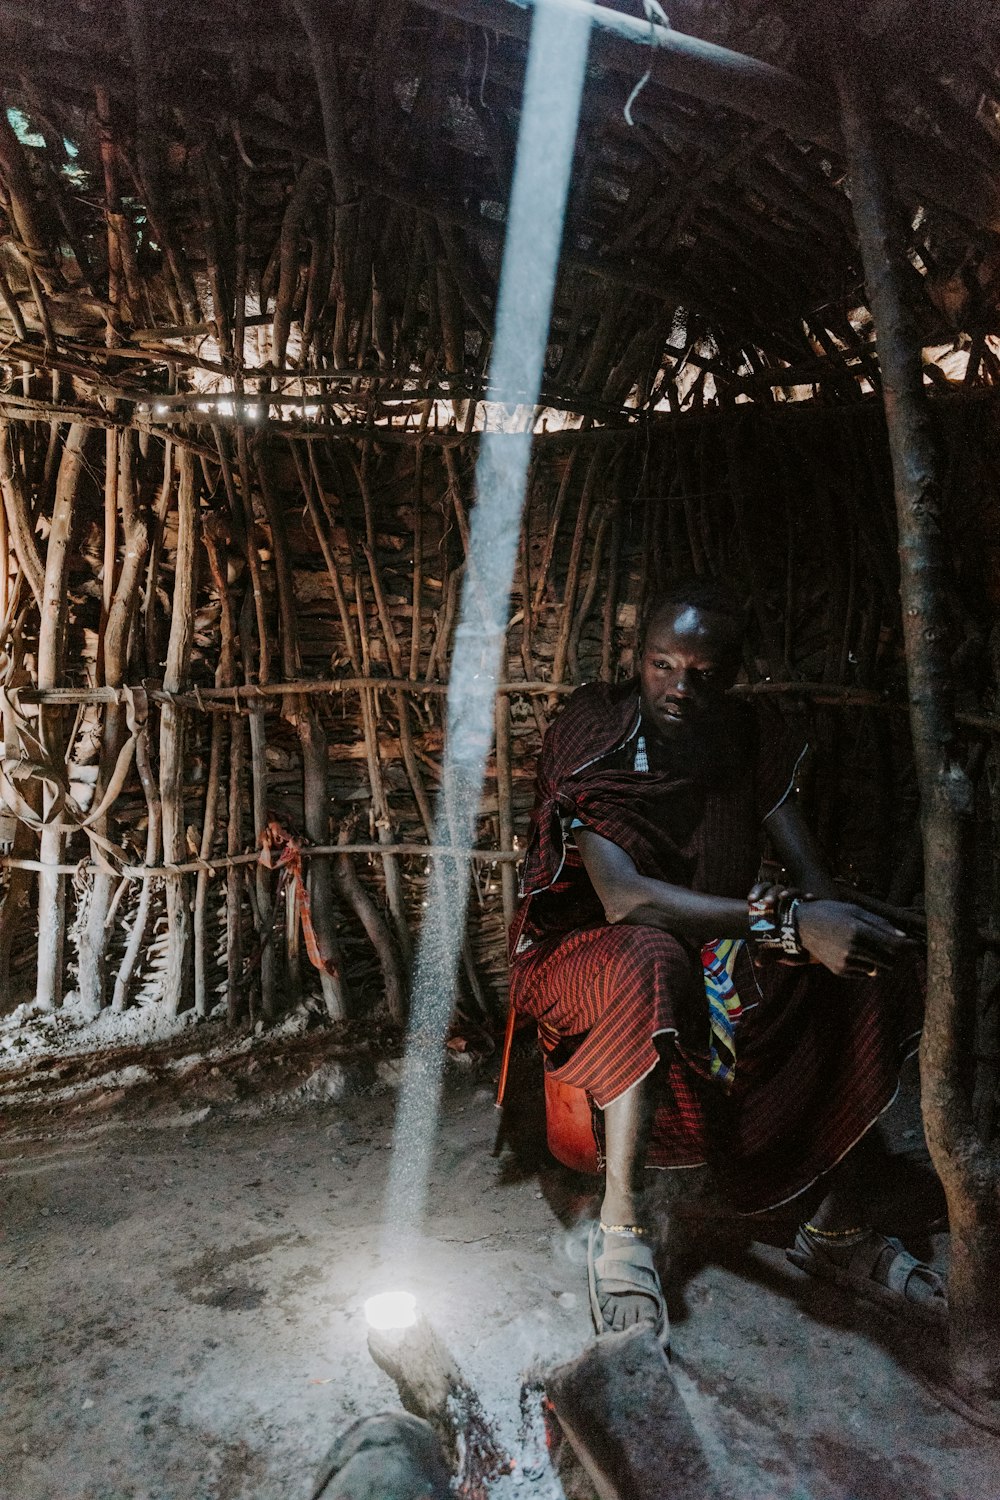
(183, 1314)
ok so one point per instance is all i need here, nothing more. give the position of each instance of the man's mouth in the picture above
(675, 711)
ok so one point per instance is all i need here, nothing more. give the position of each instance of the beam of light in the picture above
(550, 110)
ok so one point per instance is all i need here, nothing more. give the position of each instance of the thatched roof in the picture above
(179, 188)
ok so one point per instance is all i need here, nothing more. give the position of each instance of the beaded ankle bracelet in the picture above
(834, 1234)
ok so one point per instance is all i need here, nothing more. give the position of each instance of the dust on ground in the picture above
(189, 1233)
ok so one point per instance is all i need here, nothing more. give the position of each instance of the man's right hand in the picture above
(847, 939)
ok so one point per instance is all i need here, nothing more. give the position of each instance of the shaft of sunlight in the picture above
(550, 110)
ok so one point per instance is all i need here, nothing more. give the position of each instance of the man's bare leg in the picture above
(628, 1123)
(847, 1205)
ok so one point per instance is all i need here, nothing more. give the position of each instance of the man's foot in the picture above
(871, 1265)
(624, 1287)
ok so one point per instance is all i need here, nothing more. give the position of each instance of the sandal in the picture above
(892, 1287)
(622, 1266)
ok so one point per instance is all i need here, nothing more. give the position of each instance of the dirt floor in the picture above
(188, 1236)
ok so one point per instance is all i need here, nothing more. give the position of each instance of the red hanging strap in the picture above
(281, 850)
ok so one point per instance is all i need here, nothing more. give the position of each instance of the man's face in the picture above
(690, 658)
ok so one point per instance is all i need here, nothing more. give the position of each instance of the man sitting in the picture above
(709, 1018)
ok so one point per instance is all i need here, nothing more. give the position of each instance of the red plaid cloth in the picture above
(818, 1056)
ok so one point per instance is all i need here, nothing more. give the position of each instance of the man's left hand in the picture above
(847, 939)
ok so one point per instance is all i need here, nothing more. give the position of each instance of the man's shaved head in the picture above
(703, 597)
(691, 650)
(699, 602)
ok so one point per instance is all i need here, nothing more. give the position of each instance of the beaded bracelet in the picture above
(774, 923)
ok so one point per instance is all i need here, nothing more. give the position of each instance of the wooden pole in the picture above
(120, 606)
(215, 537)
(386, 947)
(172, 734)
(315, 761)
(18, 515)
(505, 807)
(51, 660)
(969, 1170)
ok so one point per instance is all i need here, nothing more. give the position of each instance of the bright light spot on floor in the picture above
(391, 1310)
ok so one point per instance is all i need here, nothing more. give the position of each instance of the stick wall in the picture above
(263, 631)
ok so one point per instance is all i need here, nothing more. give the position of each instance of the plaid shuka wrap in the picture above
(809, 1061)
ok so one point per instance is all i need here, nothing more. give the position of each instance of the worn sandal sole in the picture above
(933, 1313)
(661, 1328)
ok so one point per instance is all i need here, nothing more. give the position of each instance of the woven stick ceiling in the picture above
(201, 201)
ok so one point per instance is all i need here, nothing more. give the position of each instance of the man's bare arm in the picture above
(843, 937)
(839, 933)
(638, 900)
(799, 852)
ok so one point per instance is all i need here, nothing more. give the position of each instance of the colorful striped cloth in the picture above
(718, 960)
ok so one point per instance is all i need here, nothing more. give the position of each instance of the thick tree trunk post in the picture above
(16, 906)
(969, 1171)
(201, 889)
(51, 660)
(172, 734)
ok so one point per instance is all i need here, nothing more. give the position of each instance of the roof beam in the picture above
(716, 75)
(719, 76)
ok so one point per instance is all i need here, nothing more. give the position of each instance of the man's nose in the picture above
(682, 685)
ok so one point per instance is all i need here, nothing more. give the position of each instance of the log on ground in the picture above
(618, 1406)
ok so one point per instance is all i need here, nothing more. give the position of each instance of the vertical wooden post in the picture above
(505, 807)
(234, 875)
(315, 757)
(215, 536)
(172, 733)
(144, 737)
(51, 660)
(17, 508)
(120, 607)
(385, 944)
(969, 1171)
(258, 742)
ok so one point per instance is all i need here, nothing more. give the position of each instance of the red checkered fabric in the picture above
(818, 1057)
